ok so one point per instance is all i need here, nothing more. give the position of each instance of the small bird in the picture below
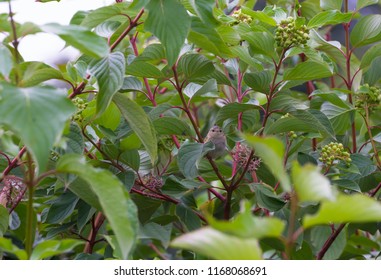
(218, 138)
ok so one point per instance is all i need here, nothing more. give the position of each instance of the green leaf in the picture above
(340, 118)
(218, 245)
(310, 184)
(6, 245)
(37, 115)
(331, 4)
(259, 15)
(319, 236)
(33, 73)
(50, 248)
(4, 219)
(372, 74)
(103, 14)
(116, 204)
(363, 3)
(62, 208)
(309, 70)
(189, 156)
(267, 198)
(356, 208)
(366, 31)
(318, 120)
(143, 69)
(109, 72)
(261, 42)
(131, 84)
(188, 217)
(204, 10)
(369, 56)
(6, 60)
(271, 151)
(259, 81)
(245, 56)
(169, 21)
(207, 38)
(194, 66)
(246, 225)
(329, 17)
(287, 124)
(171, 126)
(139, 123)
(80, 38)
(231, 111)
(194, 90)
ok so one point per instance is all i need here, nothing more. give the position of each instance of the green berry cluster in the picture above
(81, 105)
(333, 152)
(241, 17)
(289, 34)
(54, 155)
(369, 96)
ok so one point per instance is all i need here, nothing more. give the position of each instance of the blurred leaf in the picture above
(50, 248)
(6, 245)
(246, 225)
(169, 21)
(271, 152)
(330, 17)
(310, 184)
(4, 219)
(309, 70)
(217, 245)
(363, 3)
(80, 38)
(139, 122)
(6, 61)
(366, 31)
(109, 72)
(356, 208)
(32, 73)
(37, 115)
(116, 204)
(331, 4)
(370, 55)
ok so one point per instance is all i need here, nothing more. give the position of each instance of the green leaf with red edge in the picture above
(169, 21)
(37, 115)
(109, 72)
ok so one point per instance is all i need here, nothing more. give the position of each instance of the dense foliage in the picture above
(116, 164)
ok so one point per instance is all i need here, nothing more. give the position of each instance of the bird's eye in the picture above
(220, 130)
